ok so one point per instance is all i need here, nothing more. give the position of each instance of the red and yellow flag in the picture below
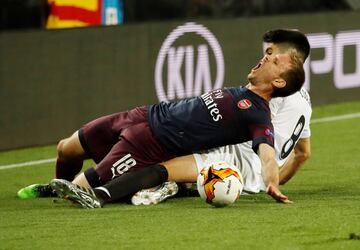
(74, 13)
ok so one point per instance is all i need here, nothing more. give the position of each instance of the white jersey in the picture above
(291, 119)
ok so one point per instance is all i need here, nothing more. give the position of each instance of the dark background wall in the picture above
(32, 14)
(52, 82)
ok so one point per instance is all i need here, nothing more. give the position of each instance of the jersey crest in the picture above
(244, 104)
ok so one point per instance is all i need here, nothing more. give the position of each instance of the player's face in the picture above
(271, 66)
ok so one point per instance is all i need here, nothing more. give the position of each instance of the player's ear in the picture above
(279, 83)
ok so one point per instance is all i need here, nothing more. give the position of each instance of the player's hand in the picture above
(274, 192)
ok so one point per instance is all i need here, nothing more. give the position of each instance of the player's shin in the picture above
(67, 170)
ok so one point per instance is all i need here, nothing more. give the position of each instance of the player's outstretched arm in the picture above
(296, 160)
(270, 173)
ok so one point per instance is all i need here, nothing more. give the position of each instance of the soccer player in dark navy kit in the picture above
(148, 135)
(141, 138)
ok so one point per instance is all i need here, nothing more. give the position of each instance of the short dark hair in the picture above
(294, 77)
(295, 38)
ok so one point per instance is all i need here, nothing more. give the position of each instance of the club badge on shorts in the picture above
(244, 104)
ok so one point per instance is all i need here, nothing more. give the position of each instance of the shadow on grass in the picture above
(334, 240)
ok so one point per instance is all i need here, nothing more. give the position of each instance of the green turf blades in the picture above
(32, 191)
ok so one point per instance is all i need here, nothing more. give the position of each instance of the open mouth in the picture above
(257, 66)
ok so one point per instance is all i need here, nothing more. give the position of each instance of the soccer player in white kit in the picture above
(291, 119)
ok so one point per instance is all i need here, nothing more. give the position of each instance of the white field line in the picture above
(314, 121)
(335, 118)
(28, 163)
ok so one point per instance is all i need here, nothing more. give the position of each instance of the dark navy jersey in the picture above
(217, 118)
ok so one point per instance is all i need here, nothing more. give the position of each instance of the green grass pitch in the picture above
(326, 209)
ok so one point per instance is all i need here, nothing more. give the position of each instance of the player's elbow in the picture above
(303, 156)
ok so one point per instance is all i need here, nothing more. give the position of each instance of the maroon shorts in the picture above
(119, 143)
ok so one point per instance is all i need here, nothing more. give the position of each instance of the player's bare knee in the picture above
(67, 149)
(61, 149)
(70, 149)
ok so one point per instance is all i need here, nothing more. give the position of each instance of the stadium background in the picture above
(53, 81)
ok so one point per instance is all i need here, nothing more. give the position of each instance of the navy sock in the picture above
(131, 182)
(66, 170)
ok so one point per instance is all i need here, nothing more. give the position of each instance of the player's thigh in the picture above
(99, 136)
(137, 148)
(71, 148)
(182, 169)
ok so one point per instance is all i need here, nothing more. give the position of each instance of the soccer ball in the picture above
(220, 184)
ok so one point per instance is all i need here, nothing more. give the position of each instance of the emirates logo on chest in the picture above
(244, 104)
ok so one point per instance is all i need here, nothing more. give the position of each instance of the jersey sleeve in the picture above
(306, 132)
(307, 110)
(262, 134)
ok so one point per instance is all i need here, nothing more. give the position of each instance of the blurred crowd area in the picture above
(35, 14)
